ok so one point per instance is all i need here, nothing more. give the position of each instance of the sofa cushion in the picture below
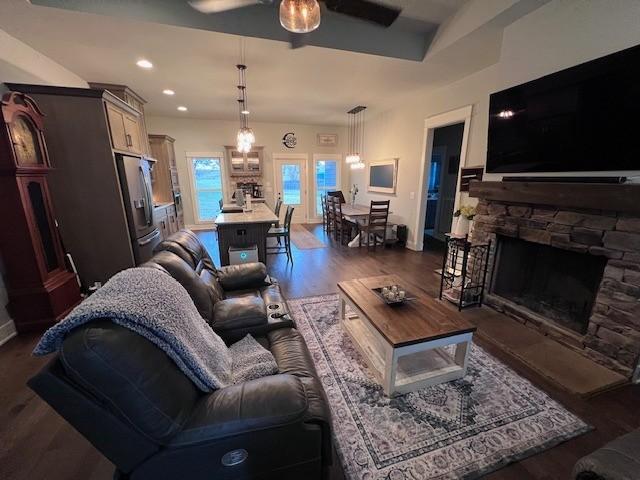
(248, 275)
(235, 313)
(188, 246)
(202, 293)
(617, 460)
(291, 353)
(131, 376)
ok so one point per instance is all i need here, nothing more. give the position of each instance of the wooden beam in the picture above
(597, 196)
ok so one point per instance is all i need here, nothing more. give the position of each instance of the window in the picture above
(326, 178)
(207, 187)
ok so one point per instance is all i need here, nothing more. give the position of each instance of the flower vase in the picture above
(462, 226)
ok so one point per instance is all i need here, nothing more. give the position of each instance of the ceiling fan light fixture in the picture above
(300, 16)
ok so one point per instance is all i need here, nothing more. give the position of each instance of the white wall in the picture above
(19, 63)
(198, 135)
(558, 35)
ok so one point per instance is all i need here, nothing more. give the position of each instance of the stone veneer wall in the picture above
(613, 335)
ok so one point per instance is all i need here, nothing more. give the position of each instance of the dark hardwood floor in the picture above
(35, 443)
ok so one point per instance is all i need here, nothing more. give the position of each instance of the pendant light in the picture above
(299, 16)
(245, 138)
(356, 137)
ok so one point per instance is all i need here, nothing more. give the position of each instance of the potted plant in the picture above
(464, 217)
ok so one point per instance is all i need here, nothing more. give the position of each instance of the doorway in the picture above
(206, 185)
(291, 184)
(442, 182)
(460, 116)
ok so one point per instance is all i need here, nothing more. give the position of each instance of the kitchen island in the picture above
(244, 229)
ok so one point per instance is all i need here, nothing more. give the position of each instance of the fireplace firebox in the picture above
(558, 284)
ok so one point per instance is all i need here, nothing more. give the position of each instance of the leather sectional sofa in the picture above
(130, 400)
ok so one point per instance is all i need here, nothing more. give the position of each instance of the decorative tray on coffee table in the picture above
(393, 295)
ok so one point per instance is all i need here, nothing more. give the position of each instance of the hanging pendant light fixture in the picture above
(245, 138)
(299, 16)
(356, 137)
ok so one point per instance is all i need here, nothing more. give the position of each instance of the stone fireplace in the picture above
(569, 272)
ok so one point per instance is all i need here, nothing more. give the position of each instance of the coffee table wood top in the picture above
(415, 321)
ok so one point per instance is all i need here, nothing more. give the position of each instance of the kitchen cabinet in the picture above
(166, 220)
(244, 164)
(165, 181)
(124, 126)
(136, 139)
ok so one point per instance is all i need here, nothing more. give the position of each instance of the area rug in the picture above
(304, 239)
(461, 429)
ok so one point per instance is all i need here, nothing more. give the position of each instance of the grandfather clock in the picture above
(41, 289)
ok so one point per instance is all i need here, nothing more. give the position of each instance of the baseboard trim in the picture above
(201, 226)
(7, 332)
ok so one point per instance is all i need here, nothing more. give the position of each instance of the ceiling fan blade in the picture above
(365, 10)
(217, 6)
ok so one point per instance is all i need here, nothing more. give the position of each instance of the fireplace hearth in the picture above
(564, 268)
(558, 284)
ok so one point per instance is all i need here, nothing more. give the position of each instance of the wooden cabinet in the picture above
(166, 220)
(124, 126)
(244, 164)
(166, 184)
(135, 139)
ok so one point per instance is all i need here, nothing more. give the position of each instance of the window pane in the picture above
(207, 173)
(326, 180)
(208, 186)
(291, 184)
(208, 204)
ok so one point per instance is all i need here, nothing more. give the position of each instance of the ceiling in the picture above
(311, 85)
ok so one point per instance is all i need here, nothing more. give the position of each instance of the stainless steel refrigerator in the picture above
(135, 181)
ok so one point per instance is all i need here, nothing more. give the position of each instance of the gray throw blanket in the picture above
(154, 305)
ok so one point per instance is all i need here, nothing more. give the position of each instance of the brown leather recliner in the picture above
(132, 402)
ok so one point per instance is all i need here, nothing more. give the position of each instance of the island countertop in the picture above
(260, 214)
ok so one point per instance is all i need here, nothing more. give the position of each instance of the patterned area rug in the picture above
(461, 429)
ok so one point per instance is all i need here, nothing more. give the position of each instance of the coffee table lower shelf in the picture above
(407, 368)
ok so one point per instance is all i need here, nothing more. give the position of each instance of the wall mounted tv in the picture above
(584, 118)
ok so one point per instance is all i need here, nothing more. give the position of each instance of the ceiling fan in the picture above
(298, 22)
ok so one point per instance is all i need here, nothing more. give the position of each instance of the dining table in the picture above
(358, 214)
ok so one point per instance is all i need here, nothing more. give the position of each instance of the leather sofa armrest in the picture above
(268, 402)
(244, 276)
(242, 312)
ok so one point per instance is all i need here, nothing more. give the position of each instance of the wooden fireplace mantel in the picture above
(598, 196)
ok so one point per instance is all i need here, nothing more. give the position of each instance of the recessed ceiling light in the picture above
(182, 108)
(168, 91)
(144, 63)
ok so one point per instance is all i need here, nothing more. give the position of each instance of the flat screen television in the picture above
(584, 118)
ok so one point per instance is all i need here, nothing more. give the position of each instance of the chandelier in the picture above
(356, 137)
(299, 16)
(245, 138)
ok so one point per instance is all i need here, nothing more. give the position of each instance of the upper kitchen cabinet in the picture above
(127, 122)
(244, 164)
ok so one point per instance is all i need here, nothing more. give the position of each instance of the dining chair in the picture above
(323, 204)
(376, 225)
(337, 193)
(283, 233)
(341, 226)
(330, 211)
(276, 210)
(221, 203)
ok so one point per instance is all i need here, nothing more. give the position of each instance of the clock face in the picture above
(26, 142)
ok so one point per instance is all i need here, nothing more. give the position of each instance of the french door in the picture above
(207, 185)
(291, 184)
(326, 178)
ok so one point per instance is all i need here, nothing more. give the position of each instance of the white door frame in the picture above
(192, 180)
(323, 156)
(430, 124)
(303, 157)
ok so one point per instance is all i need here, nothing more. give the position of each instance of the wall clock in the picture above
(289, 140)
